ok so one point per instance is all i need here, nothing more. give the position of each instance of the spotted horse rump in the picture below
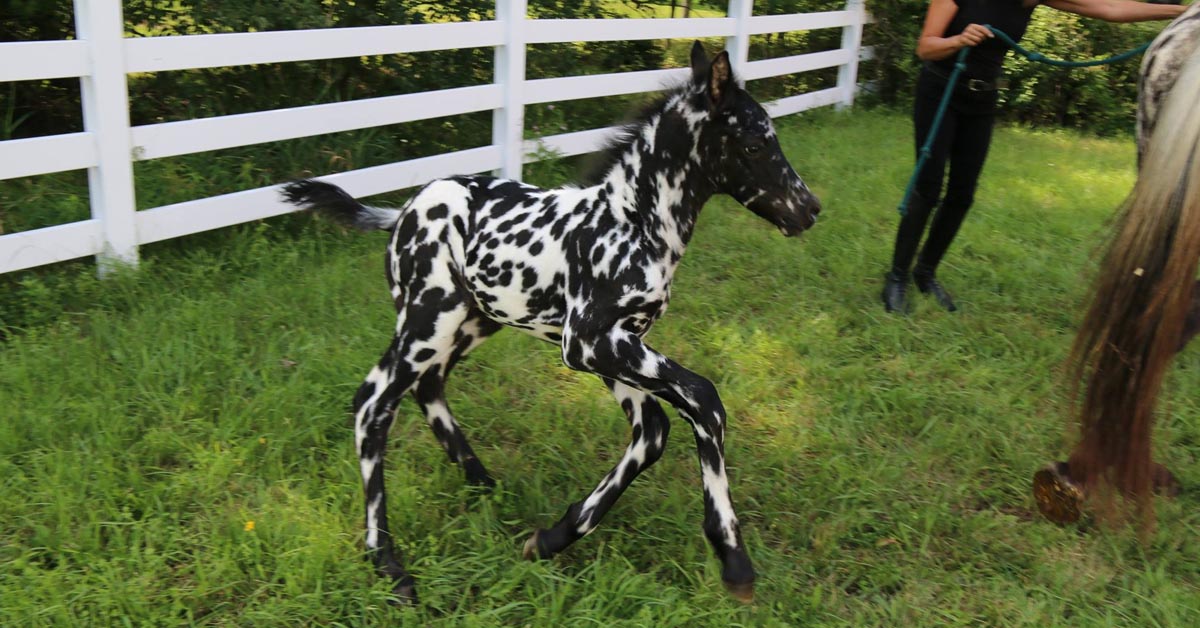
(588, 268)
(1161, 67)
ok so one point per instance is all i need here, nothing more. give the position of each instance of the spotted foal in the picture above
(588, 268)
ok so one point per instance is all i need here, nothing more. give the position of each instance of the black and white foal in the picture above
(588, 268)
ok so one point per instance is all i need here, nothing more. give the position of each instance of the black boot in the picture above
(908, 235)
(895, 284)
(928, 284)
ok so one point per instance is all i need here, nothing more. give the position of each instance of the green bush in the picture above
(1100, 99)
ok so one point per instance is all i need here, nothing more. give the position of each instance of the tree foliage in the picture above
(47, 107)
(1101, 99)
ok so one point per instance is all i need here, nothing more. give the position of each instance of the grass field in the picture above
(178, 448)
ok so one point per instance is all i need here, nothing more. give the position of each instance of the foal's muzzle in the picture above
(797, 213)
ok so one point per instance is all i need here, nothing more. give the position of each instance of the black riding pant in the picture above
(962, 141)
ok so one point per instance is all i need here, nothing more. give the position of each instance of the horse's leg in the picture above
(1191, 324)
(1161, 478)
(430, 395)
(650, 428)
(1060, 496)
(424, 337)
(619, 354)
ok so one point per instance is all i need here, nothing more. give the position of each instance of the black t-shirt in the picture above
(985, 60)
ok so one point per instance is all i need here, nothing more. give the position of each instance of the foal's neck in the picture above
(658, 181)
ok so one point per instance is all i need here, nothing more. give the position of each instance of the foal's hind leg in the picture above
(430, 395)
(424, 339)
(650, 428)
(374, 409)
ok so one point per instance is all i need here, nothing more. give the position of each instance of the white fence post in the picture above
(851, 40)
(739, 45)
(105, 96)
(508, 121)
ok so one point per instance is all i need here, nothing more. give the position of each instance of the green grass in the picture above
(880, 465)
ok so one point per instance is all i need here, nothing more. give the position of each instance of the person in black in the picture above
(966, 130)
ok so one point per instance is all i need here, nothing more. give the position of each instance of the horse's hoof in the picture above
(405, 592)
(530, 552)
(1058, 498)
(743, 592)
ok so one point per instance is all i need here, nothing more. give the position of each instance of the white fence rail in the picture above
(101, 57)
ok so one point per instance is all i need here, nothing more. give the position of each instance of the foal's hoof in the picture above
(481, 487)
(477, 476)
(531, 551)
(1058, 498)
(405, 592)
(743, 592)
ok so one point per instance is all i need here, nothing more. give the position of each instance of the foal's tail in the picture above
(1139, 302)
(334, 202)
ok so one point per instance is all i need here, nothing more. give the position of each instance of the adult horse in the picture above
(1145, 304)
(587, 268)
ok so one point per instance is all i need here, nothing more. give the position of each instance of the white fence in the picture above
(101, 57)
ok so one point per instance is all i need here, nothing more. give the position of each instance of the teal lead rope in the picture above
(1041, 58)
(960, 64)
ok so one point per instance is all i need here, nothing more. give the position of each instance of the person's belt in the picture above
(973, 85)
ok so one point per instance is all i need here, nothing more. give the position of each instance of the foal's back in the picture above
(506, 245)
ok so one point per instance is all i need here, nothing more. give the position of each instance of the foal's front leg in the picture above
(613, 351)
(650, 428)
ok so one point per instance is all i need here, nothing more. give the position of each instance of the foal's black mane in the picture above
(597, 165)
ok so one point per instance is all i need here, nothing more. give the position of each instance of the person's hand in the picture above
(973, 35)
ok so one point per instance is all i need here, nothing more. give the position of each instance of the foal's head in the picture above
(741, 151)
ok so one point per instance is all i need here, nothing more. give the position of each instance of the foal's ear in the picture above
(699, 63)
(720, 79)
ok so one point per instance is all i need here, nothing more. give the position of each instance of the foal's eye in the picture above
(752, 149)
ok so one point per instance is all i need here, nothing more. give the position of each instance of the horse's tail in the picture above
(1139, 303)
(336, 203)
